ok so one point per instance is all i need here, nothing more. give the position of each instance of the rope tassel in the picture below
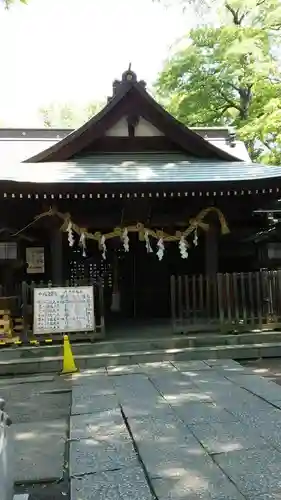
(103, 247)
(70, 234)
(161, 249)
(125, 239)
(147, 242)
(183, 248)
(82, 243)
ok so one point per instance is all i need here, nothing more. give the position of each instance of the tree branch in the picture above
(231, 103)
(266, 144)
(233, 86)
(223, 109)
(235, 14)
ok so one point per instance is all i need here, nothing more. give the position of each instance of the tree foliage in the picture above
(68, 115)
(9, 3)
(229, 75)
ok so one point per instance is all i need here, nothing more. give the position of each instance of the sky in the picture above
(72, 50)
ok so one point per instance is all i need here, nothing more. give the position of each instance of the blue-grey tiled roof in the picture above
(137, 168)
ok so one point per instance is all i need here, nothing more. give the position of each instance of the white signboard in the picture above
(63, 310)
(35, 260)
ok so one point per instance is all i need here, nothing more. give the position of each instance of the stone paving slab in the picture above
(137, 381)
(140, 389)
(124, 484)
(196, 413)
(266, 496)
(266, 423)
(225, 395)
(253, 471)
(169, 431)
(238, 408)
(201, 433)
(196, 485)
(263, 418)
(21, 392)
(205, 376)
(100, 384)
(274, 404)
(158, 368)
(27, 380)
(216, 389)
(28, 407)
(105, 425)
(39, 449)
(90, 456)
(58, 490)
(124, 369)
(232, 373)
(263, 388)
(223, 363)
(162, 460)
(174, 382)
(192, 395)
(84, 401)
(184, 366)
(225, 437)
(134, 406)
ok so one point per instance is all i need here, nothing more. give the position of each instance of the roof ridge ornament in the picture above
(231, 140)
(128, 77)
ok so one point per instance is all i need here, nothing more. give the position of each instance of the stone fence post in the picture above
(6, 462)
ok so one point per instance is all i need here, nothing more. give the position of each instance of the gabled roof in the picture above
(131, 99)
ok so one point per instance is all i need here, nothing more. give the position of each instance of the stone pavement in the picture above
(195, 430)
(39, 407)
(168, 431)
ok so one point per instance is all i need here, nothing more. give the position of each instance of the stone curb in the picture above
(51, 364)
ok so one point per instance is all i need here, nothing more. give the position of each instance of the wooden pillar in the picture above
(211, 249)
(211, 269)
(56, 247)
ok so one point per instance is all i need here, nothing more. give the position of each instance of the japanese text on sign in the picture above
(63, 310)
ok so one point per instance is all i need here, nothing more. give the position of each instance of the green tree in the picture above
(229, 75)
(67, 115)
(9, 3)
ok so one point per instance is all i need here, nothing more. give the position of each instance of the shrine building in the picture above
(176, 225)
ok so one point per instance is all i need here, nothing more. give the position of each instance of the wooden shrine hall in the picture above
(172, 225)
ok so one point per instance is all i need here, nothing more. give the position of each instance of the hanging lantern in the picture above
(125, 239)
(82, 243)
(195, 237)
(161, 249)
(183, 247)
(147, 242)
(103, 247)
(70, 235)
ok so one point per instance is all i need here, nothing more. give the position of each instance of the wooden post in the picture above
(56, 247)
(211, 265)
(24, 292)
(211, 250)
(101, 306)
(173, 303)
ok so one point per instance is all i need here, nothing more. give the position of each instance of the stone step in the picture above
(52, 364)
(140, 345)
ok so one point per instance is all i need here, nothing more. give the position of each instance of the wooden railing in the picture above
(228, 302)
